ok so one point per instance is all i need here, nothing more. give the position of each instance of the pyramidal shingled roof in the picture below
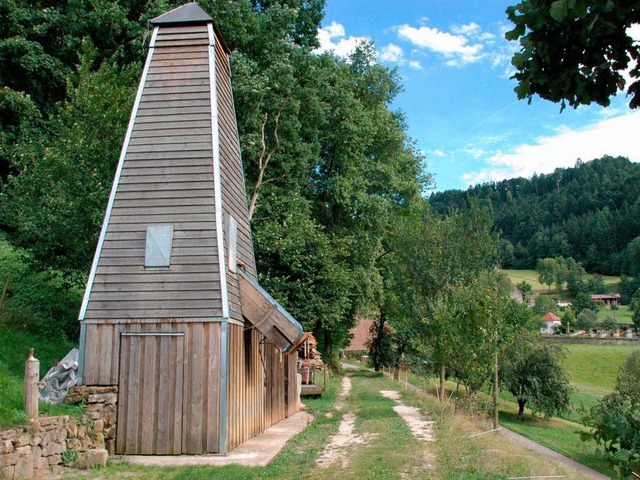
(189, 13)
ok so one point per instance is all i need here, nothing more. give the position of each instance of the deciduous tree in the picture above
(532, 371)
(546, 269)
(575, 51)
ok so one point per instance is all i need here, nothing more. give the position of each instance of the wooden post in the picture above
(496, 413)
(31, 378)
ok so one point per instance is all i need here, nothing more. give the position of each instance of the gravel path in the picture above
(536, 447)
(552, 455)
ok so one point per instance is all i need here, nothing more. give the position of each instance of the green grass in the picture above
(531, 277)
(593, 368)
(370, 459)
(622, 315)
(14, 350)
(387, 450)
(555, 433)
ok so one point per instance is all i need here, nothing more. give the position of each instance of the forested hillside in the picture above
(590, 212)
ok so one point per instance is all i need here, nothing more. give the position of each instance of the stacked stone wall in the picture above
(49, 444)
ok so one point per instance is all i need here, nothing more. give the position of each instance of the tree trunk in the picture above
(399, 353)
(521, 404)
(328, 357)
(442, 375)
(375, 352)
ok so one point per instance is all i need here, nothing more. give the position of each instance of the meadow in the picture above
(592, 370)
(531, 277)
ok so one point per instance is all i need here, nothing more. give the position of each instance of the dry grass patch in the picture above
(489, 456)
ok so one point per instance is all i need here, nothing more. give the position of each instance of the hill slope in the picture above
(589, 212)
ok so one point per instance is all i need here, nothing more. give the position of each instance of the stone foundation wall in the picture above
(589, 340)
(48, 444)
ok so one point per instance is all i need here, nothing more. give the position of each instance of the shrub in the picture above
(586, 320)
(614, 423)
(39, 302)
(609, 324)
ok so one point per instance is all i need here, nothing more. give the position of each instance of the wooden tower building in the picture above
(173, 314)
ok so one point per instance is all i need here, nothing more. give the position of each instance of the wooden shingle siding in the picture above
(166, 178)
(234, 198)
(232, 176)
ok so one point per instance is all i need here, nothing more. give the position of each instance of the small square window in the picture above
(158, 249)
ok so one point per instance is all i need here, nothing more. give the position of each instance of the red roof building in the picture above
(607, 298)
(550, 317)
(361, 334)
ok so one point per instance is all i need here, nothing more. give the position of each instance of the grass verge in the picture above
(14, 350)
(384, 448)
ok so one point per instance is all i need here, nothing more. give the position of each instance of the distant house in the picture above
(360, 336)
(517, 295)
(520, 297)
(551, 322)
(608, 299)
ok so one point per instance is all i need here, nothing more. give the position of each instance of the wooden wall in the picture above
(167, 178)
(234, 196)
(292, 383)
(234, 199)
(260, 392)
(157, 377)
(246, 385)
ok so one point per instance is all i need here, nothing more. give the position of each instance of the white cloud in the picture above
(468, 30)
(436, 153)
(634, 31)
(613, 136)
(331, 40)
(391, 53)
(414, 64)
(474, 151)
(473, 31)
(455, 48)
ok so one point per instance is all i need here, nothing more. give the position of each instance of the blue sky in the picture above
(459, 102)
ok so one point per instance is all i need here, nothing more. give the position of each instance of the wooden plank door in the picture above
(150, 393)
